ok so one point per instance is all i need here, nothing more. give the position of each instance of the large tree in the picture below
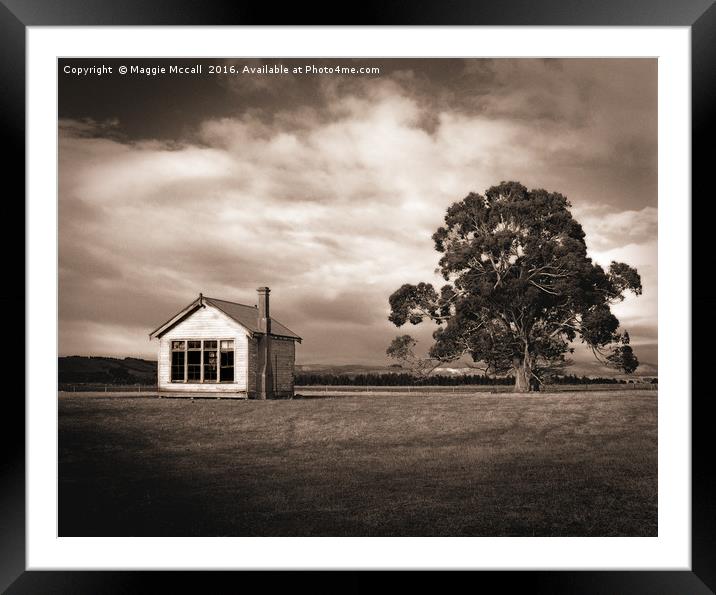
(520, 288)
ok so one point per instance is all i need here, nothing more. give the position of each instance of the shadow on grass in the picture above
(357, 468)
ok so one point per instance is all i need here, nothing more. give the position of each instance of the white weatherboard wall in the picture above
(206, 323)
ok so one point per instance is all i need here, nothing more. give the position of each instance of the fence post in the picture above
(105, 388)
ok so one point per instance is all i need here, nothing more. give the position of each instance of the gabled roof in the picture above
(246, 316)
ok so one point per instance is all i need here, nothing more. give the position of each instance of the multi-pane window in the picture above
(226, 356)
(193, 358)
(210, 364)
(207, 360)
(178, 359)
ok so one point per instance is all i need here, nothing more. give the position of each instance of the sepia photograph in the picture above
(357, 297)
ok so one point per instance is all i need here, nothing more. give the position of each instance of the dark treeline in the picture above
(573, 379)
(403, 379)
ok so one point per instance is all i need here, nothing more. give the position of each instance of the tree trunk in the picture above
(523, 376)
(522, 381)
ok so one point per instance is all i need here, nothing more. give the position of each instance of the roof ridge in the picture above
(229, 302)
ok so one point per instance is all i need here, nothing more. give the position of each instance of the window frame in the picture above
(200, 350)
(205, 363)
(172, 351)
(218, 349)
(231, 350)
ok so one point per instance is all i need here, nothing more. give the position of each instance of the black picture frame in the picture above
(699, 15)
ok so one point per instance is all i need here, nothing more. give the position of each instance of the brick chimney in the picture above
(264, 320)
(265, 384)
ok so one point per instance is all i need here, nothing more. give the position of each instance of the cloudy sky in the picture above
(327, 188)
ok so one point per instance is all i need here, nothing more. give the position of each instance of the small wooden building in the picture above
(215, 347)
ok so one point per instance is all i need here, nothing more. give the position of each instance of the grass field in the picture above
(568, 464)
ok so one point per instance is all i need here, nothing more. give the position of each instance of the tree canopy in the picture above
(520, 288)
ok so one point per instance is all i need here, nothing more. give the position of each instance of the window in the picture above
(210, 368)
(208, 360)
(178, 356)
(227, 361)
(193, 357)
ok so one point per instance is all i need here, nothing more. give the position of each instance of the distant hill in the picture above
(594, 368)
(346, 369)
(131, 370)
(78, 369)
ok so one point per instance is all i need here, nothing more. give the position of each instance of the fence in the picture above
(472, 388)
(106, 388)
(420, 389)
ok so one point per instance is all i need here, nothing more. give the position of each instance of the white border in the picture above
(671, 549)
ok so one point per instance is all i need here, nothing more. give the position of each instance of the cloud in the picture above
(607, 229)
(640, 311)
(88, 128)
(333, 208)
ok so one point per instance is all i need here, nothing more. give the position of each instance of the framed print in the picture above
(386, 296)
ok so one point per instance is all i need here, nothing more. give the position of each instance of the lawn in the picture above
(567, 464)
